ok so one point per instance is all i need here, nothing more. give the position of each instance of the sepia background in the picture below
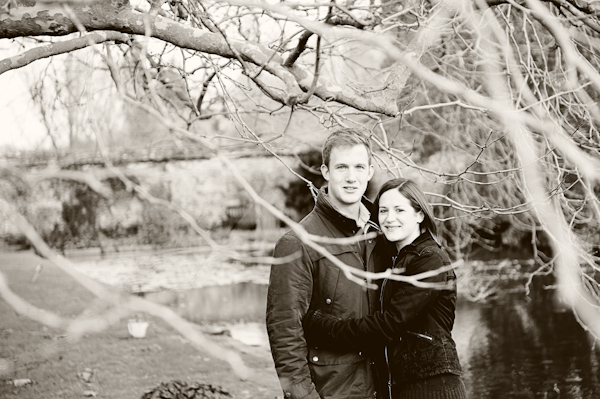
(151, 153)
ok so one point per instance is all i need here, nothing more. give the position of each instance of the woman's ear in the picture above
(421, 216)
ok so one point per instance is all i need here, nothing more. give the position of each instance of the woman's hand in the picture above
(318, 329)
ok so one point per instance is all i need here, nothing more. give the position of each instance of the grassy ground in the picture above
(123, 367)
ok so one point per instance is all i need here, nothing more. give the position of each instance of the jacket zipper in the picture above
(385, 349)
(389, 383)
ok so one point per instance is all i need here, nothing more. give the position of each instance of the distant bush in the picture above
(15, 240)
(71, 215)
(298, 195)
(79, 212)
(159, 224)
(157, 227)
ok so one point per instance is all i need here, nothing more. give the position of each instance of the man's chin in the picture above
(352, 199)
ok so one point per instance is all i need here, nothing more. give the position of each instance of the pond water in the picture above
(514, 347)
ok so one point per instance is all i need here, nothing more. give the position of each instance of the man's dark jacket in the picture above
(311, 281)
(415, 323)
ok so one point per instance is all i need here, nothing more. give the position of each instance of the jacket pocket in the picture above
(325, 357)
(421, 355)
(340, 375)
(426, 337)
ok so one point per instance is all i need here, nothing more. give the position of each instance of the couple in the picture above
(332, 338)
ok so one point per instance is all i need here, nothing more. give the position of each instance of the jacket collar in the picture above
(325, 207)
(425, 239)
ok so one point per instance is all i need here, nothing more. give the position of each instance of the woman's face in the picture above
(400, 223)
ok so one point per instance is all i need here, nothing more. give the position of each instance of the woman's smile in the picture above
(400, 222)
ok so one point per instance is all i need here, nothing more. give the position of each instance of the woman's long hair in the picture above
(418, 201)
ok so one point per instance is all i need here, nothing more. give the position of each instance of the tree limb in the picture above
(110, 296)
(103, 16)
(38, 53)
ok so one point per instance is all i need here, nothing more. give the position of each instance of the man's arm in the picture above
(288, 299)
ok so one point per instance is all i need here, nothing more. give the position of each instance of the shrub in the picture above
(298, 195)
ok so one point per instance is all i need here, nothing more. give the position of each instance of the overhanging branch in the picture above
(38, 53)
(53, 21)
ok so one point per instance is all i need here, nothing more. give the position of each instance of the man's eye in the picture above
(360, 167)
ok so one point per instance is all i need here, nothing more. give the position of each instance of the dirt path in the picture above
(122, 367)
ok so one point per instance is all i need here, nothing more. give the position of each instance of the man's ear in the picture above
(371, 171)
(325, 172)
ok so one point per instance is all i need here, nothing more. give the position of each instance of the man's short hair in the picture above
(348, 137)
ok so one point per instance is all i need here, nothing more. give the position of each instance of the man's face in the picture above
(348, 174)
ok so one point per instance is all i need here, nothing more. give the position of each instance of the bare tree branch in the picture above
(112, 297)
(57, 48)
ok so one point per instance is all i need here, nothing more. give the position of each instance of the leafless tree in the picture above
(493, 102)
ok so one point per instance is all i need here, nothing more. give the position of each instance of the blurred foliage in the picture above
(71, 215)
(158, 223)
(458, 149)
(79, 214)
(298, 195)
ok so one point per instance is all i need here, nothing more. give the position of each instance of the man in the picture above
(311, 281)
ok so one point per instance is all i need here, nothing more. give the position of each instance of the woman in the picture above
(410, 337)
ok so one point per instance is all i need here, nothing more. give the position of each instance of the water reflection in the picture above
(511, 348)
(528, 349)
(241, 302)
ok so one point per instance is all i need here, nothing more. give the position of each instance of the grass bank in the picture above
(121, 367)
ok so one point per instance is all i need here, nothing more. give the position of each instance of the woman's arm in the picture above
(407, 301)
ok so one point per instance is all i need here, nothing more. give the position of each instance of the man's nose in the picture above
(350, 175)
